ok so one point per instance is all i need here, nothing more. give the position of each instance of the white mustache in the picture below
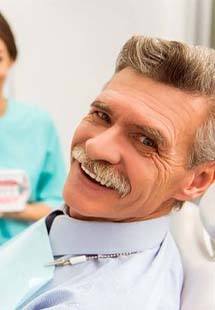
(104, 171)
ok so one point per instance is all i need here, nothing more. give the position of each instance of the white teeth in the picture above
(108, 184)
(92, 175)
(7, 191)
(97, 178)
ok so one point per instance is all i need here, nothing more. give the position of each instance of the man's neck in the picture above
(69, 236)
(163, 210)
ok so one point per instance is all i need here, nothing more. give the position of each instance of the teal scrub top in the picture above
(29, 141)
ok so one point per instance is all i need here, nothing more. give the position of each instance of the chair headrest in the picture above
(207, 211)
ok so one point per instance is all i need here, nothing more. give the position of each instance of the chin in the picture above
(84, 209)
(77, 203)
(85, 199)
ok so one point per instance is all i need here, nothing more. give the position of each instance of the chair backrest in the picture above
(207, 211)
(199, 266)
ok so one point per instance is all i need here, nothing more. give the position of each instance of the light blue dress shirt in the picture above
(150, 280)
(29, 141)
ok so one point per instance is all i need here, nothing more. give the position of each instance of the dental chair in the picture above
(193, 228)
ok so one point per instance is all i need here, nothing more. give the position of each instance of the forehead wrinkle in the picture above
(152, 132)
(145, 129)
(164, 120)
(152, 105)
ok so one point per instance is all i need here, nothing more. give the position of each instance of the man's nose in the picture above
(104, 146)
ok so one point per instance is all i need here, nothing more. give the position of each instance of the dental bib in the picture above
(25, 256)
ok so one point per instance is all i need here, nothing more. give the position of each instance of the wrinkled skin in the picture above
(143, 129)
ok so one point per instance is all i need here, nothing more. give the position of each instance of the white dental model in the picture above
(14, 190)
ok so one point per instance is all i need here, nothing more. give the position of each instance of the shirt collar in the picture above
(69, 236)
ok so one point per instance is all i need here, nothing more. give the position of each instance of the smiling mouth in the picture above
(95, 179)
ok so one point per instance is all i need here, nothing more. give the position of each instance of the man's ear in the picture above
(199, 179)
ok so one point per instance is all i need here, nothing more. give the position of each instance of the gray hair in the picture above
(186, 67)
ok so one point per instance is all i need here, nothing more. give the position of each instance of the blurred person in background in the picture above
(28, 141)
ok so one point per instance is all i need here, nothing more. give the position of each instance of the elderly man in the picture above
(145, 147)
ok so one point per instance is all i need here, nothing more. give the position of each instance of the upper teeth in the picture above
(96, 177)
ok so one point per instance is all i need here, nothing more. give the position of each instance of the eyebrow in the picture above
(151, 132)
(101, 105)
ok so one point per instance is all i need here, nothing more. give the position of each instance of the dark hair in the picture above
(7, 36)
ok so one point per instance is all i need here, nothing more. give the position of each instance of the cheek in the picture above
(67, 193)
(170, 174)
(163, 171)
(145, 180)
(156, 171)
(71, 184)
(80, 135)
(153, 178)
(83, 132)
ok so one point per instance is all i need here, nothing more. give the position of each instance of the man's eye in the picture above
(147, 141)
(103, 116)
